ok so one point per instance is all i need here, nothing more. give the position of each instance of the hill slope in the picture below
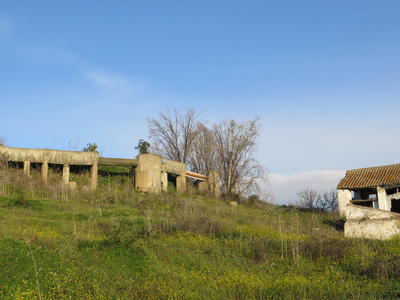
(119, 244)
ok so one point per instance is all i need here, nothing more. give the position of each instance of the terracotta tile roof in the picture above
(371, 177)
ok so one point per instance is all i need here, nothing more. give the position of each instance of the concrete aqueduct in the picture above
(152, 172)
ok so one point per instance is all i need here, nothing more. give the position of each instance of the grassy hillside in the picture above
(119, 244)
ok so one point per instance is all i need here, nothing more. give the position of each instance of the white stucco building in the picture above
(369, 198)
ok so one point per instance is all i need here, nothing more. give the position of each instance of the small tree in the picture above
(308, 198)
(91, 147)
(143, 147)
(329, 200)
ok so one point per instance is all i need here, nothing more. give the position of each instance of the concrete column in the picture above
(93, 177)
(164, 181)
(27, 167)
(181, 184)
(214, 184)
(203, 187)
(344, 198)
(44, 170)
(148, 173)
(65, 176)
(383, 202)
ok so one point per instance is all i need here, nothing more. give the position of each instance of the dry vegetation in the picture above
(118, 244)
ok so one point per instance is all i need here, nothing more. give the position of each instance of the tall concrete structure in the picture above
(370, 198)
(148, 173)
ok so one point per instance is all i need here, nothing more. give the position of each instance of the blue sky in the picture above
(322, 75)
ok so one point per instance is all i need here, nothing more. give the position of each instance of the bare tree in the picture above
(228, 147)
(173, 134)
(308, 198)
(203, 157)
(329, 200)
(235, 145)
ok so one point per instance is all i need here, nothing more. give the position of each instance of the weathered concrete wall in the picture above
(344, 198)
(366, 222)
(148, 173)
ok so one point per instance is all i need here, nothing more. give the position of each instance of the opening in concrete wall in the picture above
(171, 181)
(392, 191)
(395, 205)
(116, 171)
(364, 197)
(15, 165)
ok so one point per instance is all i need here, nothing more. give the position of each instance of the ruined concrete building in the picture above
(152, 172)
(369, 198)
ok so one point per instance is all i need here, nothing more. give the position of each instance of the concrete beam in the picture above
(79, 158)
(106, 161)
(174, 167)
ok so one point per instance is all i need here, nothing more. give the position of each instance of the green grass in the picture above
(118, 244)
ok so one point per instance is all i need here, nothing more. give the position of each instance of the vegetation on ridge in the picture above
(119, 244)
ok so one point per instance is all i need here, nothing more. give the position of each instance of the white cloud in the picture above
(106, 80)
(285, 187)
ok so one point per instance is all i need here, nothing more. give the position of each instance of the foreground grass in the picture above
(117, 244)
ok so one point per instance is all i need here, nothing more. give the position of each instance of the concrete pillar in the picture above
(202, 186)
(93, 177)
(383, 202)
(65, 176)
(27, 167)
(181, 184)
(344, 198)
(44, 170)
(164, 181)
(148, 173)
(214, 184)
